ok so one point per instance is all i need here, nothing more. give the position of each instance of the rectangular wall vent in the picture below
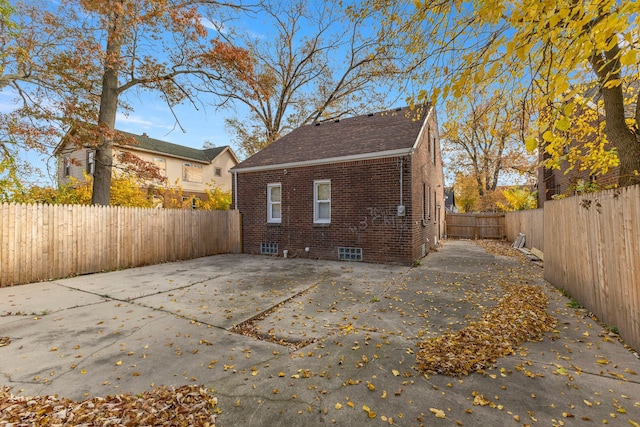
(349, 254)
(269, 248)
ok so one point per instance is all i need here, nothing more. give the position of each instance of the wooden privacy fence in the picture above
(530, 223)
(475, 226)
(592, 250)
(40, 242)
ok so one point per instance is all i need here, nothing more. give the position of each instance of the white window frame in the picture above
(161, 164)
(317, 202)
(270, 204)
(91, 162)
(186, 175)
(429, 202)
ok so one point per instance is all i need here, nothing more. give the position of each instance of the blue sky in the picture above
(150, 114)
(197, 125)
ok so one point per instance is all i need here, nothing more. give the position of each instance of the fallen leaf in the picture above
(188, 405)
(439, 413)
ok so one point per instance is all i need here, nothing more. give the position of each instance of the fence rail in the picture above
(40, 242)
(475, 226)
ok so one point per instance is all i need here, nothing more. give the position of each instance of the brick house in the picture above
(552, 182)
(190, 168)
(367, 188)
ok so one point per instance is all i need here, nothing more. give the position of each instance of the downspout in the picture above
(235, 190)
(401, 168)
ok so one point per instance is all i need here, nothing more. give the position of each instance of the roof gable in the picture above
(384, 133)
(146, 143)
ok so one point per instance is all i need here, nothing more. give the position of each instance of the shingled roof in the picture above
(147, 143)
(383, 134)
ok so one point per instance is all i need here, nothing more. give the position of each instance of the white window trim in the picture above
(270, 203)
(91, 162)
(316, 203)
(429, 202)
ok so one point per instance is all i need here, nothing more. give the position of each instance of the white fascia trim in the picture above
(326, 161)
(424, 124)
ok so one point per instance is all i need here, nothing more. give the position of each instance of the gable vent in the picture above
(370, 114)
(349, 254)
(399, 108)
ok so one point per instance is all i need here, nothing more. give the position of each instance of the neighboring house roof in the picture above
(146, 143)
(377, 135)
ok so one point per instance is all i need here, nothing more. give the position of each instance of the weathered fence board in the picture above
(475, 226)
(40, 242)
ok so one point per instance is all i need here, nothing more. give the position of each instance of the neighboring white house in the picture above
(190, 168)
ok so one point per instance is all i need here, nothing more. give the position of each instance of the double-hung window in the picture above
(91, 161)
(322, 202)
(191, 172)
(274, 203)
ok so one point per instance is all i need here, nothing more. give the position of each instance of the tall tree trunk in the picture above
(607, 68)
(498, 166)
(107, 115)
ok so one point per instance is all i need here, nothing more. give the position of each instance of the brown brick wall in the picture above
(555, 181)
(364, 200)
(427, 175)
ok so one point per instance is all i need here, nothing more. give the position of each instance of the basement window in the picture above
(269, 248)
(349, 254)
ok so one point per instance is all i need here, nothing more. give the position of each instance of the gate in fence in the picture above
(475, 225)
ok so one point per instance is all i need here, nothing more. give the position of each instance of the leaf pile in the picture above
(163, 406)
(500, 248)
(519, 316)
